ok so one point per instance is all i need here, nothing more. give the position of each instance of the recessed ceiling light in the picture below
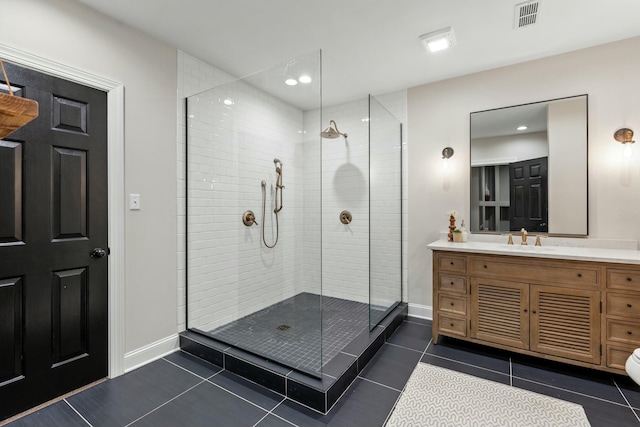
(305, 79)
(291, 82)
(521, 128)
(438, 40)
(227, 101)
(365, 119)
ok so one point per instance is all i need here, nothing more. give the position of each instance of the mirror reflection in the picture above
(529, 168)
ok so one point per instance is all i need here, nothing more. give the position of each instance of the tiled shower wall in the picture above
(236, 254)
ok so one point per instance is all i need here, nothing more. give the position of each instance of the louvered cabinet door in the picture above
(499, 312)
(566, 322)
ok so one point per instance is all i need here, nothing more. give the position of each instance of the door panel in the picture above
(53, 212)
(10, 192)
(10, 329)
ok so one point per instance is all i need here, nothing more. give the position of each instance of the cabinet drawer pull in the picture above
(629, 333)
(485, 266)
(452, 304)
(533, 311)
(452, 283)
(629, 305)
(629, 279)
(452, 325)
(525, 310)
(451, 263)
(579, 274)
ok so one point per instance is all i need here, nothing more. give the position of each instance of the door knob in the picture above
(98, 253)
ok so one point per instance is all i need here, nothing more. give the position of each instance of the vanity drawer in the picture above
(617, 356)
(452, 325)
(452, 304)
(623, 305)
(452, 284)
(621, 331)
(453, 263)
(623, 279)
(574, 275)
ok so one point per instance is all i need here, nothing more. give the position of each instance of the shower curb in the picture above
(315, 393)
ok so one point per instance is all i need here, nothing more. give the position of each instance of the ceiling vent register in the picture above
(526, 14)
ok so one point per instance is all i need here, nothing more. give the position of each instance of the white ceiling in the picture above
(372, 46)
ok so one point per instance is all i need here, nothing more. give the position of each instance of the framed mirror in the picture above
(529, 168)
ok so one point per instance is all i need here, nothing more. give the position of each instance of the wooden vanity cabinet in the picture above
(622, 314)
(550, 308)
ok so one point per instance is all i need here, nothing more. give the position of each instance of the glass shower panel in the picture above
(253, 167)
(385, 207)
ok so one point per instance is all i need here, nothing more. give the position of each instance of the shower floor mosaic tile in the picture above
(289, 331)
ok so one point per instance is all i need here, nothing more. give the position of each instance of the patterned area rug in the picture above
(440, 397)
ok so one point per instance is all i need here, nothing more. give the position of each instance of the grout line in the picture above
(625, 399)
(240, 397)
(380, 384)
(76, 411)
(406, 348)
(184, 369)
(510, 372)
(165, 403)
(280, 417)
(568, 391)
(469, 364)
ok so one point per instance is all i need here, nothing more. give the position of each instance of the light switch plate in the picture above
(134, 202)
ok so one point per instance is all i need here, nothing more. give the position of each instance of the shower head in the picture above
(332, 131)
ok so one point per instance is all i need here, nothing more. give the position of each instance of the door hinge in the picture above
(600, 350)
(469, 324)
(600, 306)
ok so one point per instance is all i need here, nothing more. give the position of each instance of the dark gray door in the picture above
(53, 214)
(528, 195)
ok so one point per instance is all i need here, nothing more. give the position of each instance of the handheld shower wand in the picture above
(279, 188)
(279, 185)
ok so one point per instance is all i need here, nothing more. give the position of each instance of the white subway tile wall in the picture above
(230, 154)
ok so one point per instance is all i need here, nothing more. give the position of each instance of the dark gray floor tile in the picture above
(255, 393)
(392, 366)
(193, 364)
(119, 401)
(411, 335)
(58, 414)
(204, 405)
(599, 413)
(472, 354)
(364, 404)
(581, 380)
(465, 368)
(413, 319)
(630, 389)
(273, 421)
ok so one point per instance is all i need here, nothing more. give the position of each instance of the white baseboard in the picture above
(136, 358)
(421, 311)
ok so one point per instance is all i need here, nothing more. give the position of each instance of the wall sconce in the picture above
(447, 153)
(625, 136)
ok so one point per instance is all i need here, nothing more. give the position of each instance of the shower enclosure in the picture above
(273, 267)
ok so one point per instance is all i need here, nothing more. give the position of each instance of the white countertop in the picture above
(625, 256)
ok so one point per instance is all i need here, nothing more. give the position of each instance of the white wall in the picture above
(67, 32)
(439, 117)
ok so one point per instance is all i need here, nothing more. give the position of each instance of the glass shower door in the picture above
(385, 210)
